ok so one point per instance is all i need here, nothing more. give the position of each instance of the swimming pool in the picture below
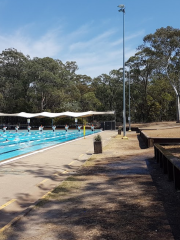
(13, 144)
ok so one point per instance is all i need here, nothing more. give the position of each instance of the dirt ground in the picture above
(164, 133)
(120, 194)
(160, 129)
(173, 149)
(156, 125)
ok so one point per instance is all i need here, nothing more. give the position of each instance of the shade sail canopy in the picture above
(54, 115)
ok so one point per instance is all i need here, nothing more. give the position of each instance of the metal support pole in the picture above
(129, 104)
(122, 9)
(124, 102)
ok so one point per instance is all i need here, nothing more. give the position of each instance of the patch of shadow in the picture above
(142, 144)
(127, 168)
(168, 195)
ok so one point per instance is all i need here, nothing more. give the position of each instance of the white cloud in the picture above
(94, 54)
(127, 38)
(101, 54)
(94, 65)
(45, 46)
(81, 31)
(92, 42)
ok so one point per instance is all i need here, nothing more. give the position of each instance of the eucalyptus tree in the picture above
(108, 89)
(44, 77)
(164, 45)
(160, 100)
(157, 57)
(142, 67)
(87, 101)
(52, 85)
(14, 83)
(67, 86)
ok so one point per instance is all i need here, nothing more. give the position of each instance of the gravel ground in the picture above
(118, 195)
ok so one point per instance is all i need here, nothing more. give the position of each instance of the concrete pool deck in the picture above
(27, 179)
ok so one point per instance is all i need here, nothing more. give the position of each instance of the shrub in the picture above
(97, 138)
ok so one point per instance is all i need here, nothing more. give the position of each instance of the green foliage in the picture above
(153, 89)
(97, 138)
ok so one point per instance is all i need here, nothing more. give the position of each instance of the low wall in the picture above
(169, 163)
(150, 141)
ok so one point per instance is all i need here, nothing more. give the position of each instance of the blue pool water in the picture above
(13, 144)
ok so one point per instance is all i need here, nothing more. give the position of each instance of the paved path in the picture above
(112, 197)
(24, 181)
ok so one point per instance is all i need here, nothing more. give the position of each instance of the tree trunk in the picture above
(42, 102)
(178, 108)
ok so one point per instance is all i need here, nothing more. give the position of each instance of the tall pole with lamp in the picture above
(122, 9)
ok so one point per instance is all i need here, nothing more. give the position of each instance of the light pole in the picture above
(122, 9)
(129, 102)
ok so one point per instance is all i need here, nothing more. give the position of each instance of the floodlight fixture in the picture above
(121, 6)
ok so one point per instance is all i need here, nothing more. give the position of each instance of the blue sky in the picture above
(86, 31)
